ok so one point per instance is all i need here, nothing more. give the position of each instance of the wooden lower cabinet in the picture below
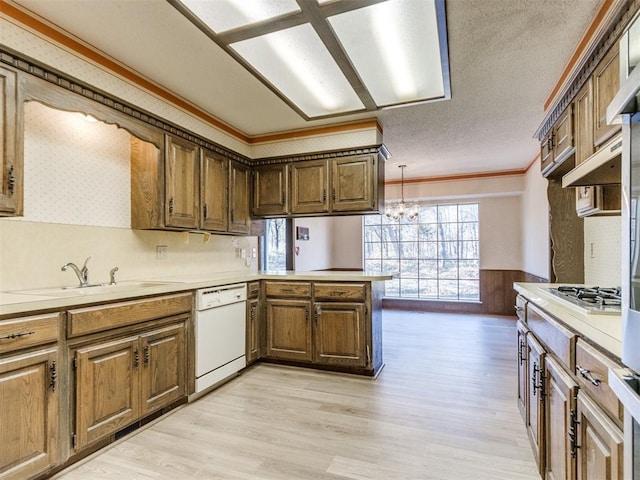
(289, 330)
(560, 445)
(29, 425)
(253, 330)
(535, 398)
(599, 442)
(523, 369)
(340, 334)
(119, 381)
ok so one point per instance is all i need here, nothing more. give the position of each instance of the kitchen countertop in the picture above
(602, 329)
(14, 303)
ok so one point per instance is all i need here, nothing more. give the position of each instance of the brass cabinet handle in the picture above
(11, 336)
(171, 205)
(146, 355)
(586, 374)
(573, 433)
(537, 379)
(53, 376)
(521, 354)
(11, 181)
(136, 358)
(204, 211)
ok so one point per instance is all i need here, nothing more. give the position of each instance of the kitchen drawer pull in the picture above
(287, 290)
(338, 292)
(586, 374)
(11, 336)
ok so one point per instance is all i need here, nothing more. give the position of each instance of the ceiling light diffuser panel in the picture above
(394, 47)
(296, 62)
(333, 57)
(224, 15)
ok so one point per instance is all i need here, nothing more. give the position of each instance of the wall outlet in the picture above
(162, 252)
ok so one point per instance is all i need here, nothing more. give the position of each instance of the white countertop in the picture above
(13, 303)
(602, 329)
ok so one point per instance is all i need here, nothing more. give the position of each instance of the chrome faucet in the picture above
(81, 273)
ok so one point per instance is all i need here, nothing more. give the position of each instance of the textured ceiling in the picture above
(505, 57)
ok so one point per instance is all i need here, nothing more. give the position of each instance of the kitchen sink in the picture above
(93, 289)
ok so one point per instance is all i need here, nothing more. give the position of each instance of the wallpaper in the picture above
(76, 171)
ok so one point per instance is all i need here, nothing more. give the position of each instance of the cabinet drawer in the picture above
(339, 291)
(560, 340)
(29, 331)
(592, 371)
(253, 289)
(105, 317)
(521, 308)
(288, 289)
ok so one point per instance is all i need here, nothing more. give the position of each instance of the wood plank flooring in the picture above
(444, 408)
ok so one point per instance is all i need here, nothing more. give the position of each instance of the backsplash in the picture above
(602, 250)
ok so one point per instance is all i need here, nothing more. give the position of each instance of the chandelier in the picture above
(402, 209)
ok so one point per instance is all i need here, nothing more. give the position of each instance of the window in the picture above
(276, 244)
(436, 255)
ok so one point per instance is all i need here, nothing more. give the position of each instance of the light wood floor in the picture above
(443, 408)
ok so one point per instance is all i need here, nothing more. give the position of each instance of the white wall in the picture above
(347, 242)
(535, 224)
(315, 253)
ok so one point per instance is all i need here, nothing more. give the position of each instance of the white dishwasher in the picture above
(220, 333)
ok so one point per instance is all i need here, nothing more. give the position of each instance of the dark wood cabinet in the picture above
(29, 417)
(523, 369)
(557, 147)
(214, 192)
(253, 330)
(309, 187)
(340, 334)
(583, 122)
(535, 398)
(599, 442)
(289, 329)
(354, 185)
(11, 158)
(606, 83)
(239, 191)
(271, 190)
(560, 402)
(182, 176)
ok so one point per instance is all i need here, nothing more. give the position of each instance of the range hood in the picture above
(602, 168)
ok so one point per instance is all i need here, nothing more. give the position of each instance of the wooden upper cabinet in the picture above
(546, 153)
(270, 190)
(353, 183)
(583, 122)
(309, 187)
(11, 161)
(239, 190)
(563, 136)
(182, 172)
(214, 196)
(606, 82)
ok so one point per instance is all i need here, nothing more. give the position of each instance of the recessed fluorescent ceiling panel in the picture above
(394, 47)
(224, 15)
(333, 57)
(298, 64)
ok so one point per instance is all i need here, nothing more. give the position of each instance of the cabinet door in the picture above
(606, 82)
(29, 414)
(563, 136)
(353, 184)
(107, 389)
(10, 158)
(214, 196)
(238, 198)
(253, 330)
(523, 369)
(271, 190)
(182, 182)
(583, 122)
(163, 367)
(289, 330)
(546, 153)
(340, 337)
(309, 185)
(560, 393)
(600, 442)
(535, 412)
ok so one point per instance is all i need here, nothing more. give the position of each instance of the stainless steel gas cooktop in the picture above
(590, 299)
